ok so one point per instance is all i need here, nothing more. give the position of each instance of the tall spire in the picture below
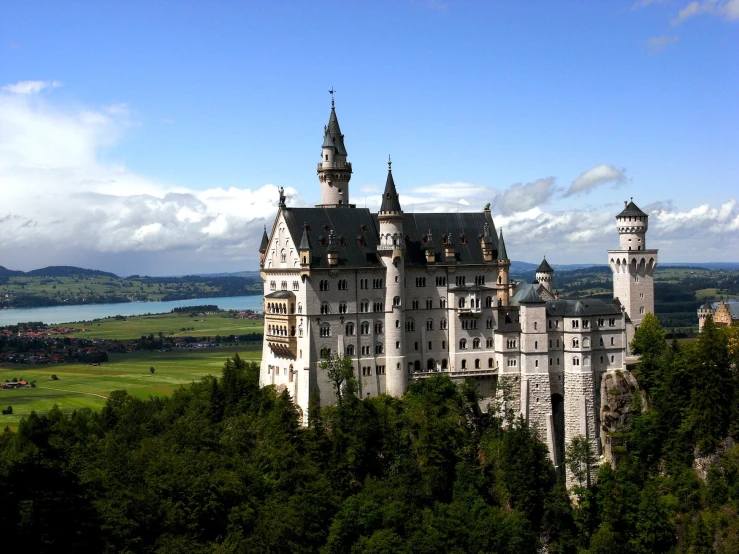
(334, 172)
(390, 201)
(265, 241)
(502, 254)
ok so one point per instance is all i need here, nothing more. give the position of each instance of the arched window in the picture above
(464, 364)
(396, 301)
(378, 348)
(490, 362)
(575, 360)
(325, 308)
(477, 364)
(442, 324)
(489, 323)
(444, 364)
(475, 343)
(463, 344)
(462, 302)
(349, 329)
(325, 352)
(364, 327)
(410, 325)
(350, 350)
(488, 301)
(325, 330)
(342, 307)
(378, 327)
(429, 324)
(283, 256)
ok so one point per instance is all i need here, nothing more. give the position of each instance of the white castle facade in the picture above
(409, 295)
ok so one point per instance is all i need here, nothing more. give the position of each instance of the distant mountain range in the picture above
(56, 271)
(516, 267)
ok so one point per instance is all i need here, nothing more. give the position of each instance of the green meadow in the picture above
(85, 386)
(170, 325)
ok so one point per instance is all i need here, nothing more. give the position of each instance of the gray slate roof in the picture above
(265, 241)
(332, 137)
(544, 267)
(632, 210)
(529, 296)
(502, 254)
(357, 232)
(581, 307)
(733, 306)
(390, 201)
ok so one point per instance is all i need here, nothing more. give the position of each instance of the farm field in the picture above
(174, 325)
(85, 386)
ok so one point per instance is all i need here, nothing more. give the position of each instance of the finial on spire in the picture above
(331, 92)
(389, 163)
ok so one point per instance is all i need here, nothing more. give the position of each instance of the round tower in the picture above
(545, 275)
(703, 312)
(632, 225)
(334, 172)
(391, 251)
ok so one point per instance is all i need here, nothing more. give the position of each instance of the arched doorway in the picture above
(416, 366)
(430, 364)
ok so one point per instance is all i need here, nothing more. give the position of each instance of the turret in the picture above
(263, 247)
(504, 264)
(703, 312)
(632, 225)
(304, 250)
(334, 172)
(545, 275)
(332, 250)
(429, 248)
(391, 250)
(487, 243)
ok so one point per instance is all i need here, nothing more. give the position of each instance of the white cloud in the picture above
(656, 44)
(595, 177)
(59, 196)
(725, 9)
(30, 87)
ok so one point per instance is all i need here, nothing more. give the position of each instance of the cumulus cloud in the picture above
(595, 177)
(59, 196)
(725, 9)
(30, 87)
(656, 44)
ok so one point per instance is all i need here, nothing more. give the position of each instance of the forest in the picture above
(224, 466)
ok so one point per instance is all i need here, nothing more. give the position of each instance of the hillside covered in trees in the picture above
(223, 466)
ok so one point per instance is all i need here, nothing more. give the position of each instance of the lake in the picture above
(87, 312)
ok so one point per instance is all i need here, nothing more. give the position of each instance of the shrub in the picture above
(54, 377)
(8, 410)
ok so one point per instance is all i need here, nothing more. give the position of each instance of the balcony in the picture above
(285, 347)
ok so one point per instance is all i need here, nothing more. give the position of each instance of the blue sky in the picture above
(150, 137)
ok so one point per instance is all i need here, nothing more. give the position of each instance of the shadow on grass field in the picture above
(83, 386)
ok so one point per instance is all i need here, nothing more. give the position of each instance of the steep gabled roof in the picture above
(581, 307)
(530, 296)
(632, 210)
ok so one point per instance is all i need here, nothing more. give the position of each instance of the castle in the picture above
(409, 295)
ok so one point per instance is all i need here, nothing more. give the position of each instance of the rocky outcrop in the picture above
(617, 391)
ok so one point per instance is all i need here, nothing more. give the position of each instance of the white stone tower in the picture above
(545, 275)
(703, 312)
(633, 267)
(391, 250)
(334, 172)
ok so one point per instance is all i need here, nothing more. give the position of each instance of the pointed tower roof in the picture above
(265, 241)
(544, 267)
(631, 210)
(502, 254)
(305, 241)
(332, 137)
(390, 201)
